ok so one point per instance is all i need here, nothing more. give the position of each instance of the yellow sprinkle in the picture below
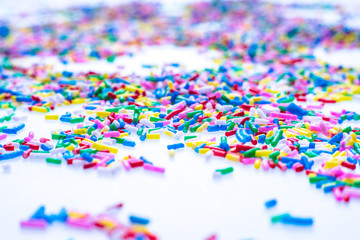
(282, 154)
(168, 133)
(350, 143)
(102, 113)
(256, 99)
(331, 164)
(80, 131)
(207, 114)
(172, 153)
(312, 175)
(353, 136)
(78, 100)
(204, 150)
(263, 153)
(88, 140)
(108, 223)
(343, 154)
(348, 180)
(99, 146)
(125, 134)
(140, 229)
(73, 214)
(153, 136)
(265, 81)
(70, 148)
(337, 153)
(203, 127)
(269, 134)
(233, 157)
(51, 117)
(198, 107)
(257, 163)
(39, 109)
(105, 129)
(170, 85)
(133, 88)
(90, 112)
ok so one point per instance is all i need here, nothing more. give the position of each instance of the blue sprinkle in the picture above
(271, 203)
(138, 220)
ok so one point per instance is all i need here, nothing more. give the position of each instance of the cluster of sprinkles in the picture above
(105, 221)
(264, 102)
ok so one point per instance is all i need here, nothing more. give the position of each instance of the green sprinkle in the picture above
(225, 170)
(251, 152)
(189, 137)
(53, 160)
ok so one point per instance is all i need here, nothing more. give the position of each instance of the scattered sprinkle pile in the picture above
(261, 106)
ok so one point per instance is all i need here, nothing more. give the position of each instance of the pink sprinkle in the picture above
(266, 128)
(112, 134)
(336, 114)
(183, 114)
(31, 134)
(333, 121)
(293, 153)
(3, 136)
(352, 192)
(312, 107)
(265, 165)
(314, 128)
(79, 223)
(34, 223)
(165, 101)
(247, 161)
(265, 94)
(126, 165)
(283, 115)
(99, 124)
(150, 167)
(337, 194)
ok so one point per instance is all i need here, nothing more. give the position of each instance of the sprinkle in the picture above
(51, 117)
(139, 220)
(225, 170)
(270, 203)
